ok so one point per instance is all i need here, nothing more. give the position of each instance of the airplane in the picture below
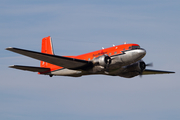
(122, 60)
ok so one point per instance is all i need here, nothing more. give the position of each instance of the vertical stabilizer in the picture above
(46, 48)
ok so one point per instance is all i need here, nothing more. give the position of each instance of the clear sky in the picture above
(82, 26)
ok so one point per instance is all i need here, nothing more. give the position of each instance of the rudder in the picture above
(46, 48)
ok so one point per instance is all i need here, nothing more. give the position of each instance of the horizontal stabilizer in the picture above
(30, 68)
(65, 62)
(148, 72)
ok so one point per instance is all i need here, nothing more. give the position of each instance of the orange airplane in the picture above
(122, 60)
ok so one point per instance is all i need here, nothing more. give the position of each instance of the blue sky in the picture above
(77, 27)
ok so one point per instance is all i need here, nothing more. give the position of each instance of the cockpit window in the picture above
(134, 47)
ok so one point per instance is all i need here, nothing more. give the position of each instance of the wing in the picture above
(148, 72)
(30, 68)
(66, 62)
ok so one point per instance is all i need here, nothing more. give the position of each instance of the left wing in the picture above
(65, 62)
(148, 72)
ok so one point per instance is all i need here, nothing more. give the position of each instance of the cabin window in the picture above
(115, 52)
(89, 59)
(109, 53)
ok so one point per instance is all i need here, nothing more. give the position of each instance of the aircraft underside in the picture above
(129, 71)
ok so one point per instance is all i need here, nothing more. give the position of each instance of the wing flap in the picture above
(30, 68)
(66, 62)
(148, 72)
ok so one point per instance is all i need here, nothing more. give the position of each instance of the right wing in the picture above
(30, 68)
(66, 62)
(148, 72)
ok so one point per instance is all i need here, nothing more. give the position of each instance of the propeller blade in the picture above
(149, 64)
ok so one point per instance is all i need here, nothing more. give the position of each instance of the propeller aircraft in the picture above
(122, 60)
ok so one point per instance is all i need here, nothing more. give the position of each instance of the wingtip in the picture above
(171, 72)
(9, 48)
(11, 66)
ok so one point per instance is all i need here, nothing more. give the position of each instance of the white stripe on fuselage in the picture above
(66, 72)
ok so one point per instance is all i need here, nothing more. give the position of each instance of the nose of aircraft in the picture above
(133, 55)
(139, 54)
(142, 52)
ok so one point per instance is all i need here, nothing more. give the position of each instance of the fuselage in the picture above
(120, 56)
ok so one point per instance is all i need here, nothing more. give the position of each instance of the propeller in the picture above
(143, 66)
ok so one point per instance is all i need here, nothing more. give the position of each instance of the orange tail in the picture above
(48, 49)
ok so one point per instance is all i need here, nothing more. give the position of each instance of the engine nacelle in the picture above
(141, 65)
(103, 60)
(133, 69)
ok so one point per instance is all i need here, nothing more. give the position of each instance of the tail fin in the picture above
(48, 49)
